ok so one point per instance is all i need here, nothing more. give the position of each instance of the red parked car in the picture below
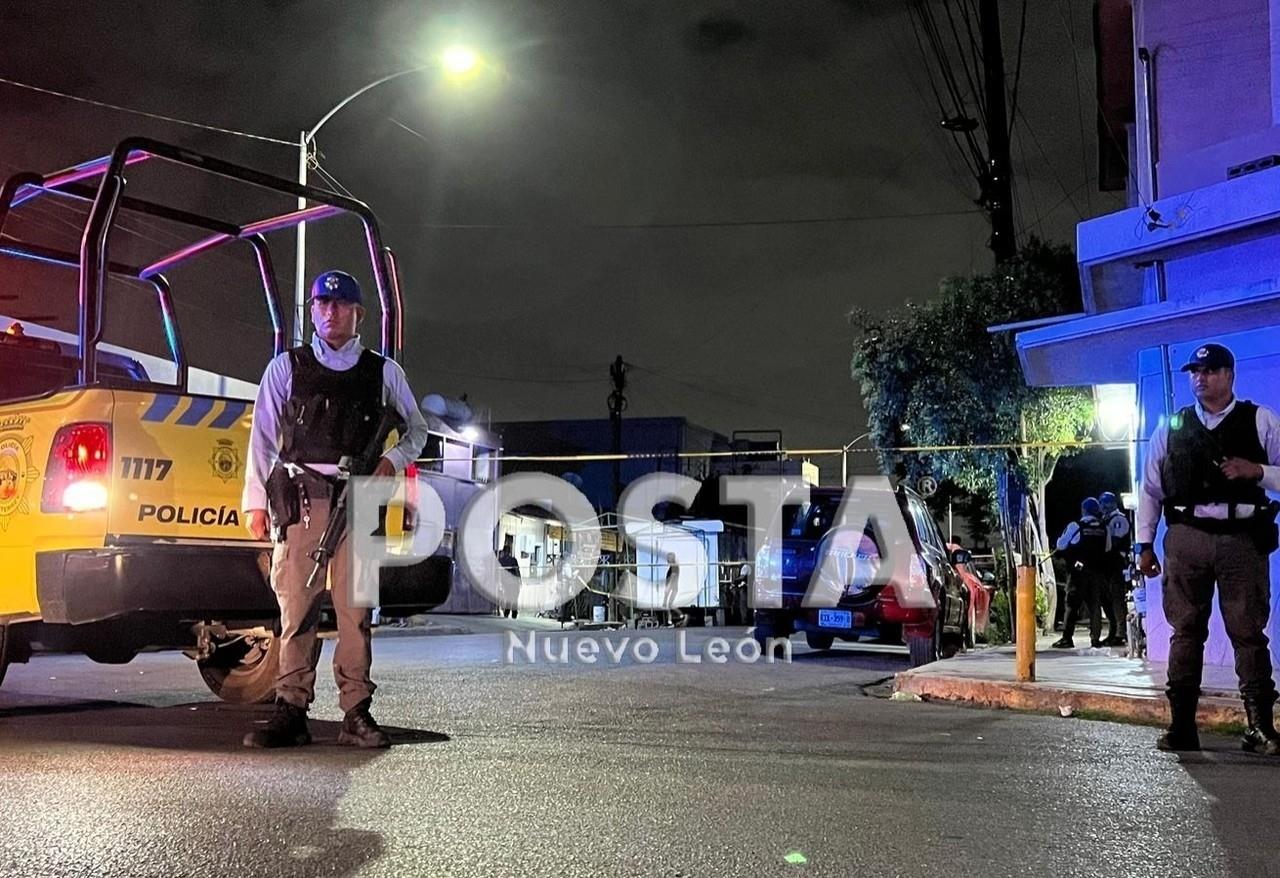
(982, 587)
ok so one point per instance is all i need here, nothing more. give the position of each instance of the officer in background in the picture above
(1084, 545)
(509, 606)
(316, 404)
(1208, 470)
(1118, 546)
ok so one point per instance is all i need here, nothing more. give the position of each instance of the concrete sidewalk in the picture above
(1091, 683)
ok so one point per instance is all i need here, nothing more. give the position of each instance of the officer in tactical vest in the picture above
(1084, 545)
(1118, 548)
(1208, 470)
(317, 404)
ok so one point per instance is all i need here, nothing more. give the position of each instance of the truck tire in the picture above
(244, 671)
(819, 641)
(4, 651)
(768, 625)
(923, 650)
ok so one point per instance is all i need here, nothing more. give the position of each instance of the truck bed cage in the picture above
(108, 198)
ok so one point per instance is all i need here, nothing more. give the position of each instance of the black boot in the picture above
(1182, 735)
(359, 729)
(1065, 643)
(286, 728)
(1261, 735)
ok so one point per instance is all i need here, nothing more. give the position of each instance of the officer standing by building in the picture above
(1118, 546)
(1084, 545)
(1208, 470)
(316, 404)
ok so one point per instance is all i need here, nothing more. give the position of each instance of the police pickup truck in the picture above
(120, 520)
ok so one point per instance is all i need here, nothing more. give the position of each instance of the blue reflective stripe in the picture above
(232, 409)
(200, 406)
(161, 408)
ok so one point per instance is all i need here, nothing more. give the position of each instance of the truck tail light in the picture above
(79, 470)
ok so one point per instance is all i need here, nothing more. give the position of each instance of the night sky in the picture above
(653, 179)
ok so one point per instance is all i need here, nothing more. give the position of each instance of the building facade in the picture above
(1195, 256)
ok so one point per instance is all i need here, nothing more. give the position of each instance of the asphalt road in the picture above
(660, 769)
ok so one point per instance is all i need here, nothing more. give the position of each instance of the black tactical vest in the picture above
(1190, 473)
(1090, 547)
(330, 413)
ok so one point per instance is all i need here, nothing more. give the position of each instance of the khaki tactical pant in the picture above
(1194, 561)
(291, 565)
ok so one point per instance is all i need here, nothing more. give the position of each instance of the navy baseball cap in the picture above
(337, 285)
(1210, 356)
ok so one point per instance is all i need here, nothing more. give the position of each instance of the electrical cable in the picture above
(157, 116)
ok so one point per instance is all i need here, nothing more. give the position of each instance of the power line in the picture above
(106, 106)
(709, 224)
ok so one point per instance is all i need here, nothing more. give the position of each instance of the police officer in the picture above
(1208, 470)
(1113, 596)
(1084, 545)
(316, 404)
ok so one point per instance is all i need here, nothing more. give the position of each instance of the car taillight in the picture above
(79, 469)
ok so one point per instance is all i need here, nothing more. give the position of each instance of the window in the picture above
(433, 454)
(481, 464)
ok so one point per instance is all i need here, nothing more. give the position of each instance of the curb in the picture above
(1214, 711)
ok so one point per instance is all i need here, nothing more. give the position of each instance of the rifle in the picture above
(361, 465)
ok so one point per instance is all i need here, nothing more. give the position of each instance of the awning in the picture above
(1103, 348)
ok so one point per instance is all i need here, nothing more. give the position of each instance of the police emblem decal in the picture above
(1202, 353)
(331, 282)
(225, 460)
(16, 471)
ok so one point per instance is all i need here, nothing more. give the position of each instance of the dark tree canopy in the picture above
(931, 374)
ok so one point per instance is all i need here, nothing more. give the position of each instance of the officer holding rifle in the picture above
(323, 412)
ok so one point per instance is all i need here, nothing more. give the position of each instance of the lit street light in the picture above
(459, 64)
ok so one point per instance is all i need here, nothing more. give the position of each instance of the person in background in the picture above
(510, 604)
(1118, 545)
(1084, 545)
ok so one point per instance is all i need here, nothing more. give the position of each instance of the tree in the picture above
(932, 374)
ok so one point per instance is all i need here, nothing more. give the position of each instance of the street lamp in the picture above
(844, 457)
(458, 62)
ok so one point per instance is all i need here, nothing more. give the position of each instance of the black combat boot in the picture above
(286, 728)
(1064, 643)
(1182, 735)
(359, 729)
(1261, 735)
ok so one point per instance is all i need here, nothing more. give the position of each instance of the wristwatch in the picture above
(1139, 548)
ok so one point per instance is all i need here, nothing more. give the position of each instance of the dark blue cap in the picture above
(1107, 500)
(1090, 506)
(337, 285)
(1210, 356)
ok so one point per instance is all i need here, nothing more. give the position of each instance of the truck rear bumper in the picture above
(199, 582)
(188, 581)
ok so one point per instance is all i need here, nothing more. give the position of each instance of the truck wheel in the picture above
(770, 625)
(244, 671)
(4, 651)
(923, 650)
(105, 654)
(819, 641)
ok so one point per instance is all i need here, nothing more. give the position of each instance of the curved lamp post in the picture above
(456, 61)
(844, 457)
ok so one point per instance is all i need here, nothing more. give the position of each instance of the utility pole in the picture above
(997, 189)
(617, 405)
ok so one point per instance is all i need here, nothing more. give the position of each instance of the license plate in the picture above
(835, 618)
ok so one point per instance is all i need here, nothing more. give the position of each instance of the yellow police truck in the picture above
(120, 521)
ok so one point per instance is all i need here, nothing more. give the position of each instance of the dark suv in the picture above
(868, 605)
